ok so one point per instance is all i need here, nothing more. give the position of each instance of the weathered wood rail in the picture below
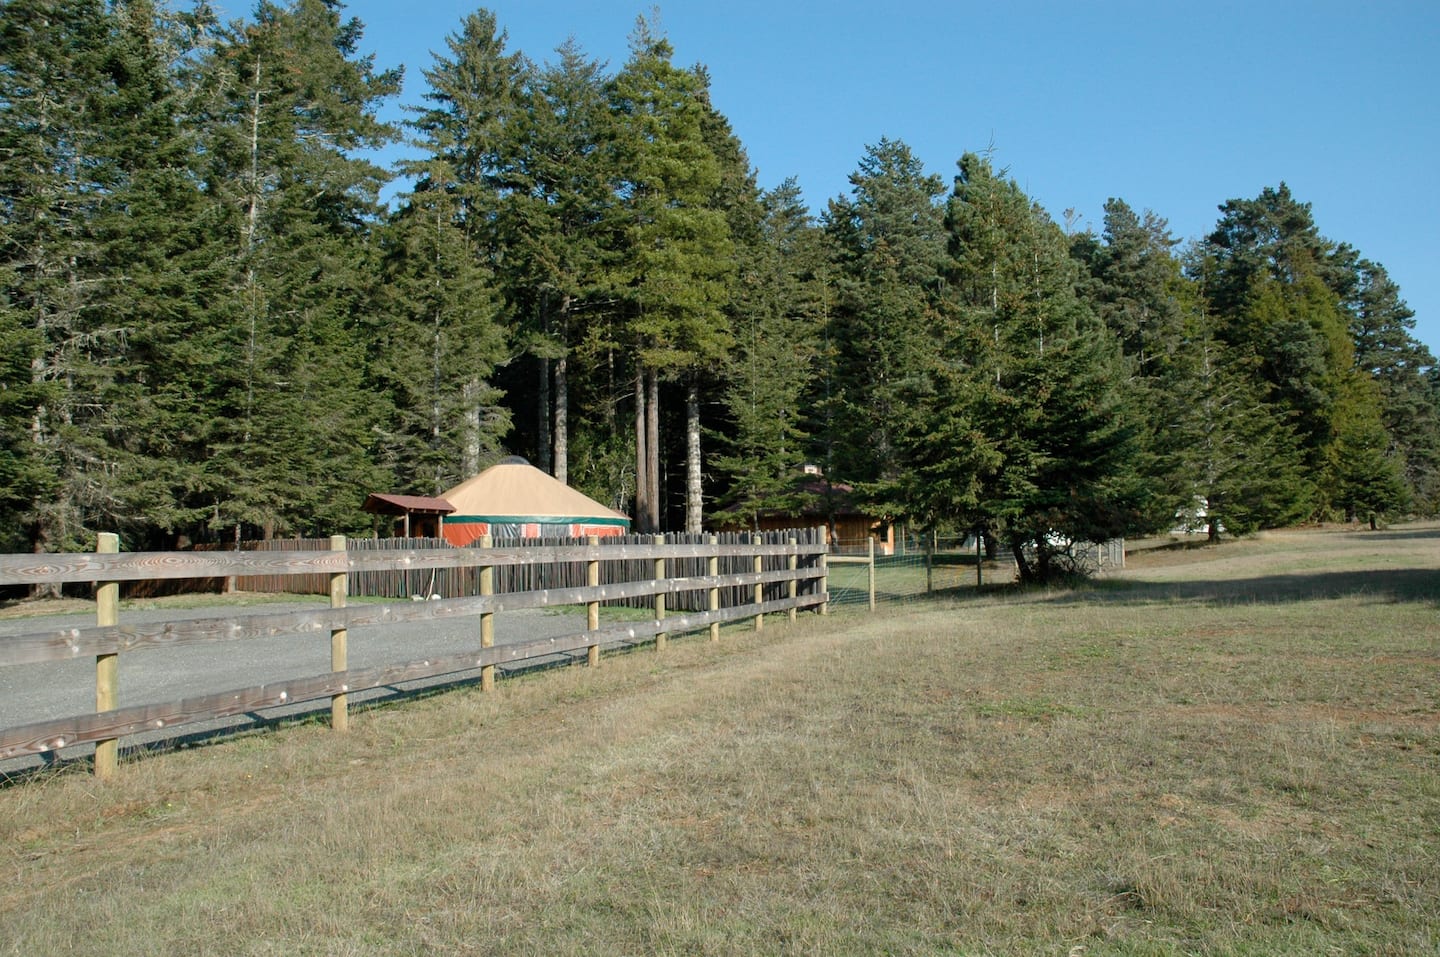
(796, 580)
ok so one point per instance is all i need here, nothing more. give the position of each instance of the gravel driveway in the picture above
(30, 693)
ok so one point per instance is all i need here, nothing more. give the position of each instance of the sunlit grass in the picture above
(1233, 755)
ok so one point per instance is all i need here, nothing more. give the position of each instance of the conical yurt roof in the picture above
(516, 491)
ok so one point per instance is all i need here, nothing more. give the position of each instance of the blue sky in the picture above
(1171, 107)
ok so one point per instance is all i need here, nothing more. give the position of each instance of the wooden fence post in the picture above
(339, 640)
(759, 588)
(872, 572)
(660, 636)
(794, 564)
(825, 573)
(930, 562)
(712, 567)
(107, 667)
(487, 619)
(979, 560)
(592, 610)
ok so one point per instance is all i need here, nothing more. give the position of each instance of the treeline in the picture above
(212, 328)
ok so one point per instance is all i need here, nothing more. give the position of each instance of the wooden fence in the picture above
(530, 576)
(764, 578)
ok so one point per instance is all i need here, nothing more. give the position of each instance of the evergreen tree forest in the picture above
(221, 319)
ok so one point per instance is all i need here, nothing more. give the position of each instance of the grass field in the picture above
(1227, 750)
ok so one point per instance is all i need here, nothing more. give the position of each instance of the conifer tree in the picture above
(887, 243)
(24, 479)
(1049, 434)
(1136, 288)
(291, 104)
(448, 334)
(109, 264)
(552, 218)
(156, 240)
(1234, 464)
(1386, 351)
(777, 320)
(436, 354)
(674, 262)
(54, 177)
(1305, 317)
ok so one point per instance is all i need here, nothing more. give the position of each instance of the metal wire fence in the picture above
(917, 570)
(924, 566)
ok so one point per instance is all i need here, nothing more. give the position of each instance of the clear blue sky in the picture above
(1171, 107)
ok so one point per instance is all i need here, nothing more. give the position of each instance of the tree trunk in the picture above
(252, 221)
(642, 460)
(562, 422)
(1022, 562)
(470, 452)
(694, 485)
(542, 418)
(652, 448)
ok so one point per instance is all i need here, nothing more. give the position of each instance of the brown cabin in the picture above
(412, 516)
(832, 505)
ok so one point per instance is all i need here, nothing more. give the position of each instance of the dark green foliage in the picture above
(24, 479)
(290, 101)
(552, 217)
(1315, 327)
(209, 327)
(673, 269)
(674, 264)
(157, 239)
(437, 354)
(887, 245)
(1385, 350)
(1135, 284)
(1272, 237)
(1231, 452)
(55, 177)
(777, 323)
(1049, 433)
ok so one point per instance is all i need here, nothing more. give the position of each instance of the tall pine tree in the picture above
(673, 267)
(765, 443)
(292, 106)
(552, 217)
(448, 337)
(887, 244)
(1051, 433)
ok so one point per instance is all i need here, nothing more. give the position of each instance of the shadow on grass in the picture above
(1419, 585)
(1412, 534)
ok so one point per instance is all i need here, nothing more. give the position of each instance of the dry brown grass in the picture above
(1233, 754)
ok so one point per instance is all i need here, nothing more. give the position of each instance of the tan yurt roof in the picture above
(516, 491)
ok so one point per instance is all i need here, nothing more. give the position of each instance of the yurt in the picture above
(516, 500)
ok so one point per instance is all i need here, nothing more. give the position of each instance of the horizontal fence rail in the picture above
(780, 573)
